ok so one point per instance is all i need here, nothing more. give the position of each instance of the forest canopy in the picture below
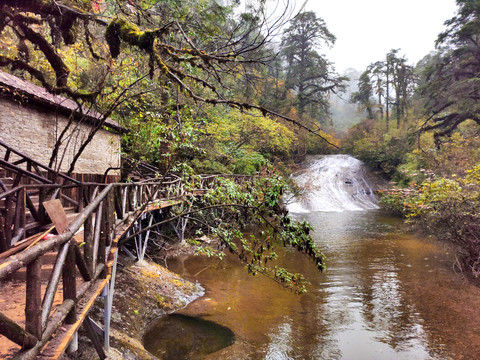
(166, 63)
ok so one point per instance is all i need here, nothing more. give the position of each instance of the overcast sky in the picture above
(367, 29)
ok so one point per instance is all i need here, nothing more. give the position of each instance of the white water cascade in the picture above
(333, 183)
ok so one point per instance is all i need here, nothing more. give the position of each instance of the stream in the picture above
(387, 293)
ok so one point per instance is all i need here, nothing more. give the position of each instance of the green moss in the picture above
(120, 29)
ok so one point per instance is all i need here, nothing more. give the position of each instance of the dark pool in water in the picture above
(179, 336)
(387, 294)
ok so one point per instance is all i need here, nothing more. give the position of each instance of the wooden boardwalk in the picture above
(49, 284)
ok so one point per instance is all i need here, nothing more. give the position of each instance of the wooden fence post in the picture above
(69, 282)
(3, 240)
(96, 235)
(33, 301)
(118, 202)
(80, 191)
(89, 243)
(70, 292)
(8, 220)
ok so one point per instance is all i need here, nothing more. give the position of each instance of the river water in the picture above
(387, 293)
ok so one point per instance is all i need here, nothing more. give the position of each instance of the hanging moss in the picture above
(120, 29)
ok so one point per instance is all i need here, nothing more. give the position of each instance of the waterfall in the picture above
(333, 183)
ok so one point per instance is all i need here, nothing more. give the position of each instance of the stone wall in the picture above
(33, 131)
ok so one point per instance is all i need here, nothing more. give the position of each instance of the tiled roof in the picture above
(41, 95)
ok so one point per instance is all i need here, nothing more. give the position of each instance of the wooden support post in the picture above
(118, 202)
(96, 237)
(19, 223)
(134, 201)
(69, 283)
(31, 207)
(124, 200)
(17, 180)
(33, 301)
(92, 335)
(41, 209)
(137, 228)
(89, 243)
(14, 332)
(70, 293)
(130, 199)
(8, 220)
(109, 302)
(108, 221)
(112, 216)
(3, 240)
(147, 236)
(80, 191)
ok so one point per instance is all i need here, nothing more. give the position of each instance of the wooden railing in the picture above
(24, 166)
(88, 246)
(138, 169)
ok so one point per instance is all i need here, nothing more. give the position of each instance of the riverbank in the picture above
(144, 291)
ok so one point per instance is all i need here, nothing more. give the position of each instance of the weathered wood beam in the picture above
(8, 220)
(53, 282)
(96, 234)
(81, 264)
(92, 335)
(124, 200)
(33, 301)
(80, 191)
(32, 208)
(20, 220)
(89, 243)
(118, 202)
(69, 283)
(69, 200)
(3, 240)
(32, 240)
(14, 332)
(54, 323)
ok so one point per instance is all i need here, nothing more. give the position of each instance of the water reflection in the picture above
(185, 337)
(386, 295)
(279, 346)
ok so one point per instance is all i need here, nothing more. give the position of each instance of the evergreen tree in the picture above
(309, 74)
(364, 94)
(451, 80)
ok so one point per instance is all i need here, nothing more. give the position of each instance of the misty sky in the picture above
(367, 29)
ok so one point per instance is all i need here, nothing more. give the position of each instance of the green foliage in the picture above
(157, 137)
(447, 208)
(231, 207)
(381, 151)
(450, 85)
(364, 95)
(235, 142)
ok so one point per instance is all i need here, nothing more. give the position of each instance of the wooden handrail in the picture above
(35, 163)
(103, 207)
(17, 169)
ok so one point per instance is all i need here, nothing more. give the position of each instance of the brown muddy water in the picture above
(387, 294)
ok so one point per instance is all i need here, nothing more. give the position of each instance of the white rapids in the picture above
(333, 183)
